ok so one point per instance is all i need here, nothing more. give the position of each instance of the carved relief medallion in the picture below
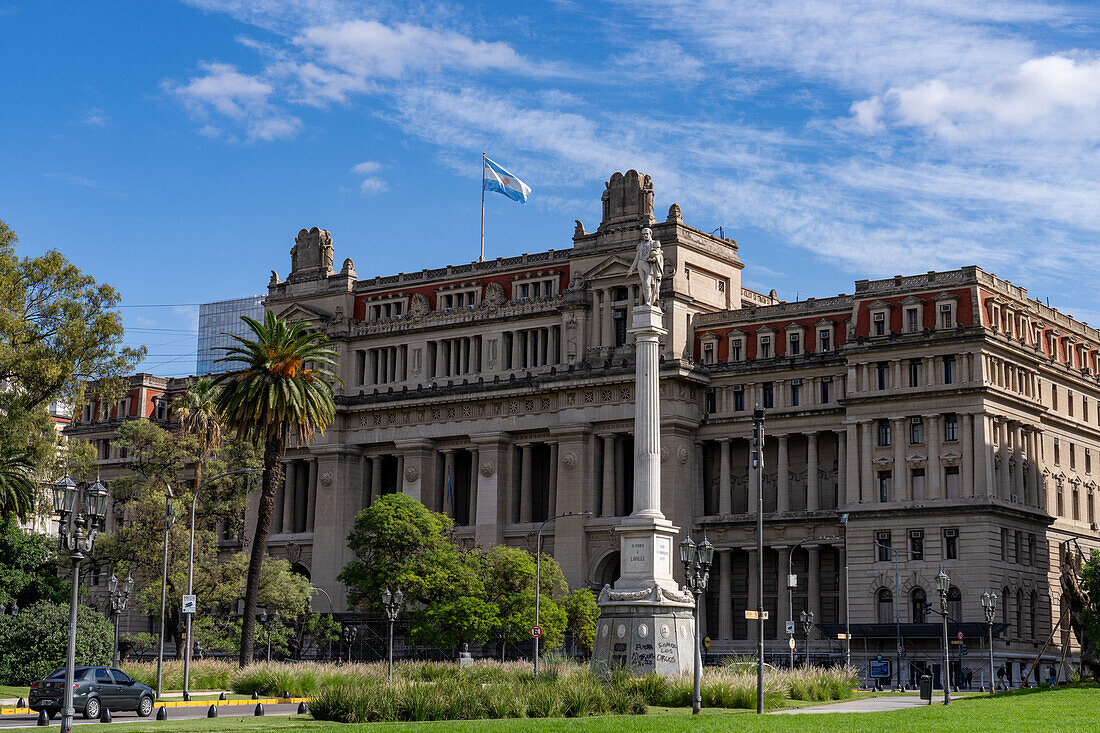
(326, 478)
(412, 473)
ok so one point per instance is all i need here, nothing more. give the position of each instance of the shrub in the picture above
(35, 641)
(206, 674)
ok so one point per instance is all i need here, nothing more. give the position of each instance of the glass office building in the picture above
(216, 320)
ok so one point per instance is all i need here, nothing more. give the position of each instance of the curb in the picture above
(193, 704)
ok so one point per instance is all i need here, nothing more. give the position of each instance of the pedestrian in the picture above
(1052, 676)
(1001, 678)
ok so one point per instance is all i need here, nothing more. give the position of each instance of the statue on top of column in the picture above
(649, 263)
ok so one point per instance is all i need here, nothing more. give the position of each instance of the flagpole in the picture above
(482, 257)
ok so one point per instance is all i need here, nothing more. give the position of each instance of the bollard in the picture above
(286, 695)
(162, 714)
(21, 704)
(302, 708)
(255, 696)
(43, 719)
(221, 696)
(187, 697)
(212, 712)
(259, 708)
(105, 714)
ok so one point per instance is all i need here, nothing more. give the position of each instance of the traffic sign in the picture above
(756, 615)
(706, 642)
(960, 636)
(190, 602)
(536, 632)
(790, 643)
(901, 651)
(790, 627)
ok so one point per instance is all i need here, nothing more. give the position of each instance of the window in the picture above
(949, 370)
(709, 401)
(1054, 396)
(947, 315)
(765, 347)
(768, 397)
(884, 486)
(916, 480)
(102, 676)
(1057, 452)
(916, 544)
(794, 395)
(912, 320)
(1084, 408)
(955, 604)
(885, 606)
(1004, 545)
(795, 345)
(1031, 549)
(883, 432)
(951, 481)
(736, 350)
(915, 427)
(950, 428)
(878, 321)
(920, 611)
(951, 544)
(1017, 547)
(1072, 457)
(738, 399)
(708, 352)
(1069, 402)
(882, 543)
(882, 372)
(914, 372)
(825, 392)
(823, 340)
(121, 678)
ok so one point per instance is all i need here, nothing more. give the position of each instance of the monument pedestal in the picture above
(646, 622)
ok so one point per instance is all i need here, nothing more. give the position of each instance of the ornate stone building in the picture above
(945, 419)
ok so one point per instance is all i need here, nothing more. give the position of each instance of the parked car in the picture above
(94, 688)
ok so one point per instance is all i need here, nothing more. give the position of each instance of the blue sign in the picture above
(880, 670)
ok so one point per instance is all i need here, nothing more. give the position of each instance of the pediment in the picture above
(879, 305)
(296, 312)
(912, 300)
(613, 266)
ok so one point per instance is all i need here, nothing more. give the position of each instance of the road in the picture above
(181, 713)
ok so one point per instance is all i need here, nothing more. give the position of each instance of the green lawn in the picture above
(9, 691)
(1062, 709)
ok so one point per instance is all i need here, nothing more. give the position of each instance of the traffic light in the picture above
(927, 609)
(962, 650)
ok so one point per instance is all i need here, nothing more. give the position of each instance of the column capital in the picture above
(447, 451)
(723, 440)
(781, 436)
(813, 433)
(415, 444)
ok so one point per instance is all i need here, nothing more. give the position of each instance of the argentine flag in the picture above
(499, 180)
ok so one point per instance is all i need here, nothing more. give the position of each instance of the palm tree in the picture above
(197, 409)
(283, 384)
(16, 485)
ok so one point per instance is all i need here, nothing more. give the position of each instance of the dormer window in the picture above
(794, 344)
(458, 298)
(878, 324)
(708, 352)
(385, 309)
(765, 347)
(946, 317)
(737, 349)
(709, 348)
(825, 330)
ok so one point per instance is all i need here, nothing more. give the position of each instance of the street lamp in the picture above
(262, 617)
(169, 520)
(943, 584)
(331, 615)
(66, 502)
(191, 575)
(989, 605)
(391, 603)
(538, 574)
(697, 560)
(119, 597)
(758, 466)
(847, 610)
(807, 619)
(896, 552)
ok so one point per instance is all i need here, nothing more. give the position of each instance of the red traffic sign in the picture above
(901, 651)
(536, 632)
(960, 636)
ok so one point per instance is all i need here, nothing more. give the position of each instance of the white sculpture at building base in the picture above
(646, 622)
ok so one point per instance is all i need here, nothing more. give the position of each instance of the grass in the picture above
(9, 691)
(1062, 709)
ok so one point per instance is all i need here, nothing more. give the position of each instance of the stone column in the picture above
(933, 482)
(754, 592)
(813, 582)
(517, 350)
(552, 490)
(448, 482)
(782, 606)
(620, 482)
(1037, 468)
(648, 330)
(1018, 452)
(1004, 479)
(311, 496)
(440, 348)
(336, 503)
(844, 463)
(607, 333)
(418, 469)
(983, 457)
(725, 493)
(966, 439)
(866, 467)
(376, 478)
(842, 608)
(288, 496)
(783, 477)
(525, 494)
(577, 477)
(725, 600)
(472, 510)
(813, 491)
(280, 500)
(902, 490)
(607, 497)
(492, 474)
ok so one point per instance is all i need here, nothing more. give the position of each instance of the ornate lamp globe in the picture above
(95, 496)
(399, 598)
(943, 582)
(112, 584)
(687, 551)
(705, 551)
(64, 496)
(386, 597)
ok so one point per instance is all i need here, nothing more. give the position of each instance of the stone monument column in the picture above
(646, 622)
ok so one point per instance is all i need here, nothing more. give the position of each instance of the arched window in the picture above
(919, 598)
(1033, 613)
(885, 606)
(1006, 598)
(1019, 613)
(955, 604)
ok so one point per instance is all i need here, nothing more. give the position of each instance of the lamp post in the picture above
(191, 575)
(807, 619)
(697, 560)
(66, 504)
(331, 615)
(989, 605)
(538, 572)
(943, 584)
(758, 466)
(392, 603)
(119, 598)
(263, 619)
(897, 600)
(169, 520)
(847, 614)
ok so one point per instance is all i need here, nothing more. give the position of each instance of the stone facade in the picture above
(946, 415)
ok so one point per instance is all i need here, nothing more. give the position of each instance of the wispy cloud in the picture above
(243, 98)
(96, 117)
(91, 184)
(371, 183)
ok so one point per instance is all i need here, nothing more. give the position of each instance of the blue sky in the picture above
(174, 149)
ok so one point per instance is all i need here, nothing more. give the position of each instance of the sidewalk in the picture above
(868, 705)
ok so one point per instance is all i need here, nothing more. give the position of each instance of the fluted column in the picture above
(844, 463)
(902, 490)
(725, 600)
(983, 456)
(648, 328)
(966, 439)
(1004, 485)
(608, 331)
(1037, 468)
(813, 582)
(866, 467)
(375, 478)
(934, 479)
(812, 489)
(288, 496)
(782, 479)
(607, 502)
(311, 496)
(782, 607)
(725, 493)
(525, 497)
(1018, 452)
(449, 482)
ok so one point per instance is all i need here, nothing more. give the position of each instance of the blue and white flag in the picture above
(499, 180)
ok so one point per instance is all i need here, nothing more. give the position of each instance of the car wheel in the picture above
(145, 707)
(91, 709)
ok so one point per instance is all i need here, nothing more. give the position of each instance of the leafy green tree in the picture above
(285, 383)
(58, 330)
(1087, 598)
(197, 410)
(17, 488)
(582, 612)
(510, 577)
(35, 641)
(29, 568)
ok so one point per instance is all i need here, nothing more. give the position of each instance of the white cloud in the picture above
(241, 97)
(371, 184)
(96, 117)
